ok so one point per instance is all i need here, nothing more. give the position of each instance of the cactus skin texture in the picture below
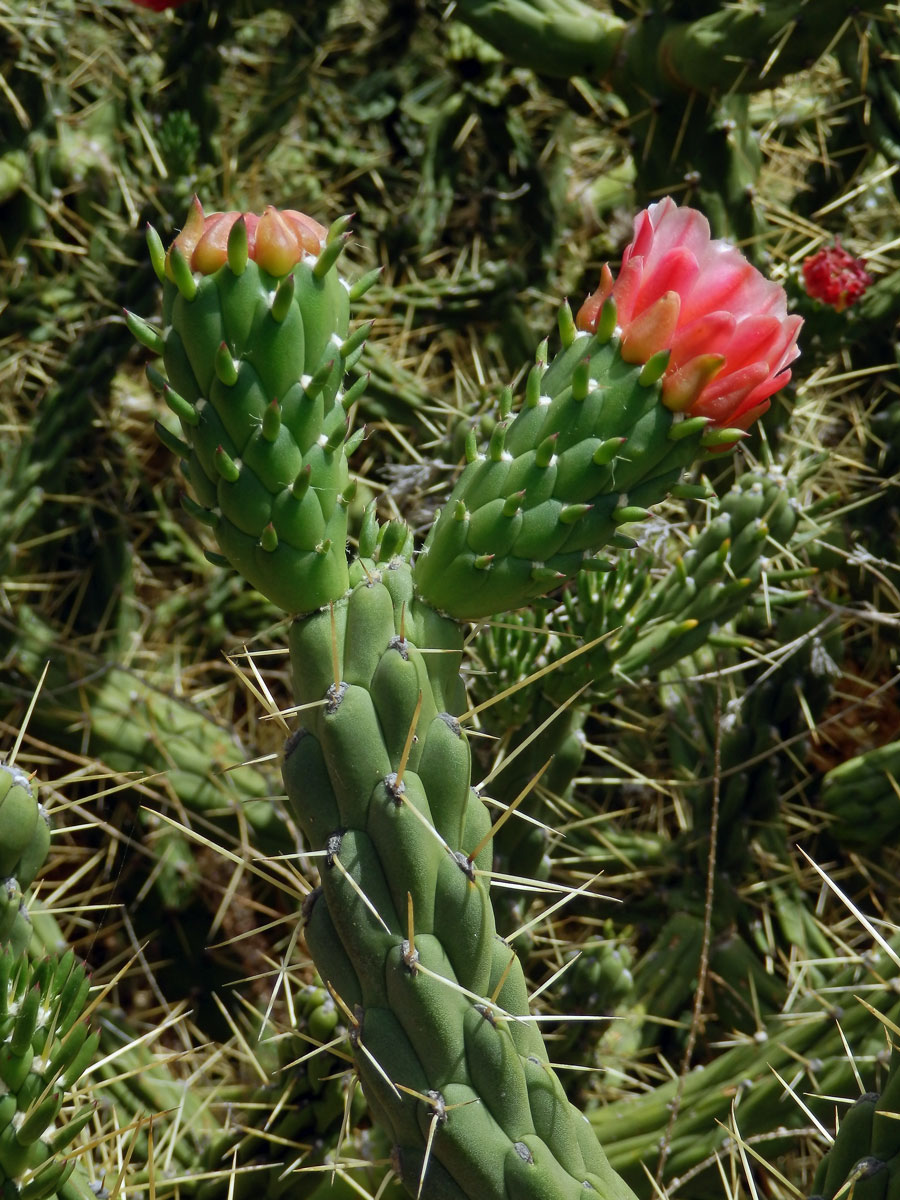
(45, 1045)
(254, 357)
(862, 798)
(865, 1154)
(402, 928)
(24, 845)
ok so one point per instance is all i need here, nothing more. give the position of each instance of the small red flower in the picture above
(159, 5)
(276, 241)
(835, 277)
(726, 326)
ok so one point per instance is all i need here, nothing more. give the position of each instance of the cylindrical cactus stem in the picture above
(402, 929)
(255, 347)
(679, 355)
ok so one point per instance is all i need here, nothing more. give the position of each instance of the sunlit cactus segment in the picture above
(677, 356)
(402, 930)
(255, 346)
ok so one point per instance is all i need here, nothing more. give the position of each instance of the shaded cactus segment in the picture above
(24, 828)
(45, 1046)
(591, 447)
(255, 346)
(862, 796)
(403, 929)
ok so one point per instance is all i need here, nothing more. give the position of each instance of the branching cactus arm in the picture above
(378, 772)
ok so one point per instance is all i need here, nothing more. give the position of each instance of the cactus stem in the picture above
(407, 745)
(237, 251)
(352, 1019)
(183, 409)
(500, 982)
(654, 368)
(571, 513)
(182, 275)
(607, 451)
(505, 815)
(330, 253)
(546, 451)
(149, 337)
(606, 322)
(157, 253)
(410, 955)
(362, 895)
(471, 446)
(581, 380)
(376, 1064)
(356, 339)
(171, 441)
(354, 441)
(362, 285)
(271, 422)
(426, 1157)
(506, 399)
(335, 662)
(268, 539)
(687, 428)
(225, 366)
(353, 393)
(567, 328)
(226, 466)
(281, 301)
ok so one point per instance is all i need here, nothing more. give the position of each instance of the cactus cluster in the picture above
(708, 709)
(45, 1046)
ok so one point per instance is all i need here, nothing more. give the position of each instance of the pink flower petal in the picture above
(675, 272)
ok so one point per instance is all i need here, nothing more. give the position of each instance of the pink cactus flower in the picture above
(276, 241)
(727, 327)
(835, 277)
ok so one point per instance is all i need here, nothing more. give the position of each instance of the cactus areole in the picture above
(680, 354)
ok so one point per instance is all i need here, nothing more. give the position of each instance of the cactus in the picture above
(24, 845)
(378, 774)
(46, 1045)
(866, 1148)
